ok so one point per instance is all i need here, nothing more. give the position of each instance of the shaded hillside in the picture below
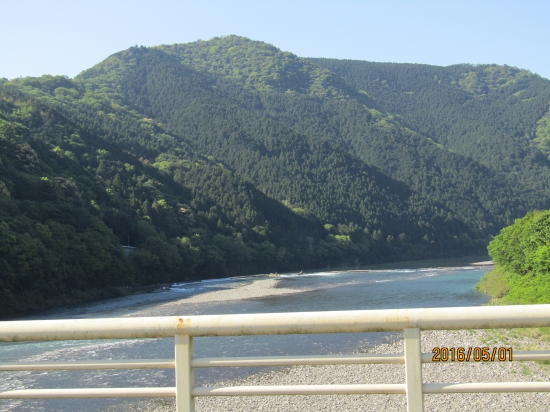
(70, 199)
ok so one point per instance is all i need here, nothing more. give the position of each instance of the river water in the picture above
(336, 290)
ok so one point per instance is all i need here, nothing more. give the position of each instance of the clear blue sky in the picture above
(66, 37)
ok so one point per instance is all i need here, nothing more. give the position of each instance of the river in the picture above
(332, 290)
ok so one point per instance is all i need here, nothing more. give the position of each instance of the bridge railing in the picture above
(185, 328)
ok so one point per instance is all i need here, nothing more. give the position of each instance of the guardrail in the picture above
(183, 329)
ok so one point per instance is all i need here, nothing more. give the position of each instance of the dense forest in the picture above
(521, 253)
(497, 115)
(230, 156)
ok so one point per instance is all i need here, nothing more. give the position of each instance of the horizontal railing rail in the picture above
(184, 328)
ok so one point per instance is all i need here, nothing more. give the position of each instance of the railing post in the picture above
(413, 370)
(184, 373)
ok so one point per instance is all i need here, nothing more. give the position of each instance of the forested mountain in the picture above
(316, 102)
(229, 156)
(497, 115)
(70, 198)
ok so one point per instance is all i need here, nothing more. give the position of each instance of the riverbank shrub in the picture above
(521, 253)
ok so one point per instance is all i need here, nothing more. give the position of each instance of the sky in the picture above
(65, 37)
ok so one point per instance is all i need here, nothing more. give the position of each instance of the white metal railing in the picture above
(184, 328)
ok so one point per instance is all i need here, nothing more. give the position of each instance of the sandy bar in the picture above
(238, 291)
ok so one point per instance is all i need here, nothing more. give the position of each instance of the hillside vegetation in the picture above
(230, 156)
(521, 253)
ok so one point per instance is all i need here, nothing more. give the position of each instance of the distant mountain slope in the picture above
(304, 171)
(488, 112)
(320, 104)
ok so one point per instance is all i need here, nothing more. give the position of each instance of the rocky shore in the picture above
(364, 374)
(367, 374)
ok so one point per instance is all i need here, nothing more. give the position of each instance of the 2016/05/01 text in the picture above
(477, 354)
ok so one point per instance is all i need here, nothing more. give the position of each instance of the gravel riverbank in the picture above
(356, 374)
(364, 374)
